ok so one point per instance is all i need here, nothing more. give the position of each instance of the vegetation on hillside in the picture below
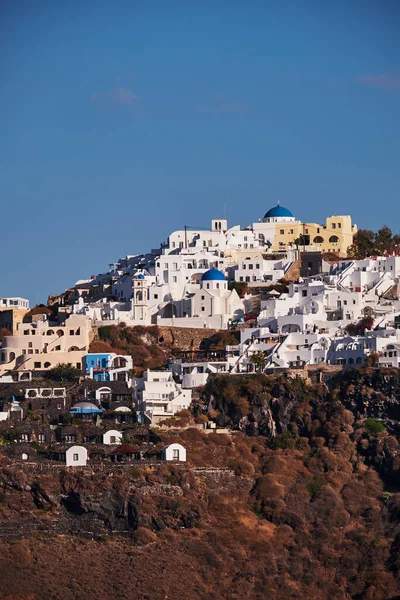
(369, 243)
(141, 343)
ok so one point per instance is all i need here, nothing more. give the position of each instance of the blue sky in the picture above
(123, 121)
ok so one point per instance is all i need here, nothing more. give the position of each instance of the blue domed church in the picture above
(278, 214)
(276, 219)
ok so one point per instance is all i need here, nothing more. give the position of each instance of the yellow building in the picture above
(281, 231)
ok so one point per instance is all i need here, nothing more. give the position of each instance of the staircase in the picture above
(293, 271)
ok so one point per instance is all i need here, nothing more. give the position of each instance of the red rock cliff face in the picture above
(308, 511)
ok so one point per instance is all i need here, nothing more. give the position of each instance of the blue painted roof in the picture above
(85, 411)
(213, 275)
(278, 211)
(141, 276)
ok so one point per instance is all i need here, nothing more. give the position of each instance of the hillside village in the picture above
(108, 365)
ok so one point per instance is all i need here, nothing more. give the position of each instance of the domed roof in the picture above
(213, 275)
(278, 211)
(85, 407)
(140, 276)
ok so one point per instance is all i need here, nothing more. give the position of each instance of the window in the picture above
(174, 279)
(41, 438)
(72, 332)
(112, 439)
(76, 457)
(282, 231)
(333, 225)
(250, 267)
(257, 266)
(292, 231)
(69, 438)
(244, 266)
(304, 293)
(334, 239)
(29, 344)
(240, 278)
(339, 225)
(203, 309)
(318, 240)
(345, 302)
(203, 297)
(155, 296)
(30, 351)
(26, 331)
(175, 454)
(24, 437)
(37, 365)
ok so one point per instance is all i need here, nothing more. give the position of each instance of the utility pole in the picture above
(186, 236)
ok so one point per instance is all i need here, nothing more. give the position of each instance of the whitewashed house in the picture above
(112, 437)
(157, 396)
(174, 452)
(76, 456)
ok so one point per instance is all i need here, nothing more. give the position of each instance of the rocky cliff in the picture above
(302, 501)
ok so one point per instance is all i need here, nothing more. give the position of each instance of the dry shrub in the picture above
(20, 553)
(267, 488)
(201, 419)
(191, 435)
(144, 537)
(98, 346)
(219, 439)
(242, 468)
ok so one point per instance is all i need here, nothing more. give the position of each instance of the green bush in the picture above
(374, 426)
(314, 487)
(135, 473)
(63, 372)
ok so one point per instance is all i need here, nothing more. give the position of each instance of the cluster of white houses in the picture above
(190, 282)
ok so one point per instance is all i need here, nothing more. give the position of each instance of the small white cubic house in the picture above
(112, 437)
(76, 456)
(175, 452)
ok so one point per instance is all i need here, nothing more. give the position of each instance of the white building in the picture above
(174, 452)
(20, 303)
(157, 396)
(193, 374)
(76, 456)
(112, 437)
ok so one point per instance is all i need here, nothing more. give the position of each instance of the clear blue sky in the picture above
(123, 121)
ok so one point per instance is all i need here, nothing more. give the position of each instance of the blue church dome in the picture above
(278, 211)
(213, 275)
(141, 276)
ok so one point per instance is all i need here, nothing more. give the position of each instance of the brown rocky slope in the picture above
(309, 509)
